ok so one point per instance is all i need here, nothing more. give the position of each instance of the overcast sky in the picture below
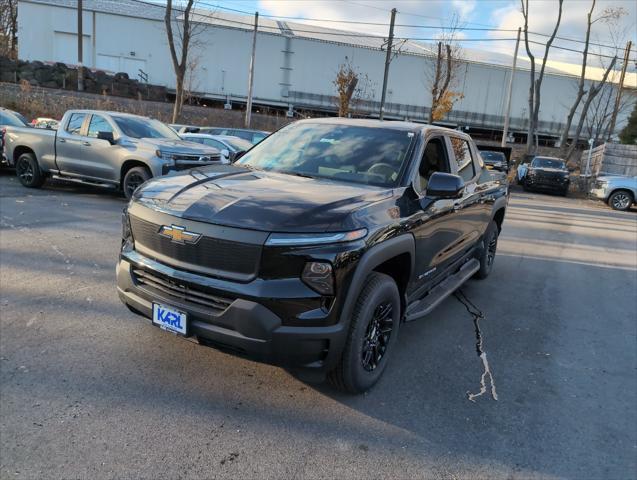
(504, 14)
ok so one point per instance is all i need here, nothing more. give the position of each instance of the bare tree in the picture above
(9, 28)
(182, 40)
(536, 83)
(446, 68)
(609, 14)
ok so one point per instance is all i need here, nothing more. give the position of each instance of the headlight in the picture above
(296, 239)
(318, 276)
(166, 156)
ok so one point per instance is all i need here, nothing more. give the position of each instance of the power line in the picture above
(277, 30)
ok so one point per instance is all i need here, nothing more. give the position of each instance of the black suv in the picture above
(312, 249)
(547, 173)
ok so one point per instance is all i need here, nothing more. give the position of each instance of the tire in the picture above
(133, 179)
(564, 192)
(359, 368)
(488, 253)
(28, 171)
(621, 200)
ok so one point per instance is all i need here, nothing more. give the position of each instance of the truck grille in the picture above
(179, 290)
(211, 256)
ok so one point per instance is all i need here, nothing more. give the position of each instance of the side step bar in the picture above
(436, 295)
(84, 182)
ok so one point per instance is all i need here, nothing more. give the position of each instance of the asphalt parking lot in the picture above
(88, 390)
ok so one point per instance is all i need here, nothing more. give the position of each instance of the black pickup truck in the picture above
(312, 249)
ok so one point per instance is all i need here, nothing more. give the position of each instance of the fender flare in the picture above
(373, 257)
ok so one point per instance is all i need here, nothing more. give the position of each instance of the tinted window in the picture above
(239, 144)
(214, 143)
(355, 154)
(493, 156)
(194, 139)
(462, 152)
(241, 134)
(13, 120)
(434, 159)
(75, 123)
(541, 162)
(257, 137)
(213, 131)
(137, 127)
(98, 124)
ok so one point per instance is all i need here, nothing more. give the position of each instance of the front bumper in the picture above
(600, 193)
(558, 184)
(241, 326)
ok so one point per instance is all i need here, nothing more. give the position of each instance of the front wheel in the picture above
(621, 200)
(28, 171)
(373, 333)
(488, 252)
(133, 179)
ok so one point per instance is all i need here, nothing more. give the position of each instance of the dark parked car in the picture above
(252, 136)
(9, 118)
(547, 173)
(495, 160)
(312, 248)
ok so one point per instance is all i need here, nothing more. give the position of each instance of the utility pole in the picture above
(505, 130)
(251, 72)
(618, 98)
(387, 61)
(80, 52)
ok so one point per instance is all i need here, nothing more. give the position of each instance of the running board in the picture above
(84, 182)
(436, 295)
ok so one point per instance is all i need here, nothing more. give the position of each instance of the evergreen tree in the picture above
(629, 134)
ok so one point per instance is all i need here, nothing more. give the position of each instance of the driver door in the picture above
(436, 231)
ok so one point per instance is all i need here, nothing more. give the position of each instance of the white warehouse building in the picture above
(295, 67)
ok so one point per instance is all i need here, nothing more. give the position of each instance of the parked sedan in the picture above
(547, 173)
(229, 146)
(252, 136)
(618, 191)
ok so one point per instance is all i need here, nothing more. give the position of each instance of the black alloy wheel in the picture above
(377, 336)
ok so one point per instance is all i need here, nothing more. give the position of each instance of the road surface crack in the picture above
(477, 315)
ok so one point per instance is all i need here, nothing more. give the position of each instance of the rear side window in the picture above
(15, 120)
(98, 124)
(75, 123)
(462, 152)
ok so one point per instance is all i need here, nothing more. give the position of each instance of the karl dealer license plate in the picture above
(169, 318)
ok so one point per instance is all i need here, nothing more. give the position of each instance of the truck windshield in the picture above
(144, 128)
(541, 162)
(373, 156)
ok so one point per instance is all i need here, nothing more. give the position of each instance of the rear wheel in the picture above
(133, 179)
(373, 333)
(621, 200)
(28, 171)
(488, 252)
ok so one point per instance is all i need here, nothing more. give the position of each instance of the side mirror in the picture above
(225, 153)
(108, 136)
(444, 185)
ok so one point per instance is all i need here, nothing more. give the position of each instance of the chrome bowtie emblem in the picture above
(179, 234)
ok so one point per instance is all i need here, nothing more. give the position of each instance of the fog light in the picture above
(318, 276)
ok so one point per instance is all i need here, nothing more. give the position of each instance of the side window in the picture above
(98, 124)
(257, 137)
(434, 159)
(214, 143)
(462, 152)
(194, 139)
(75, 123)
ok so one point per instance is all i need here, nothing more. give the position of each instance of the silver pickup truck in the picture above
(102, 148)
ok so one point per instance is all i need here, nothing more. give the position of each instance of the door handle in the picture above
(61, 140)
(87, 144)
(457, 206)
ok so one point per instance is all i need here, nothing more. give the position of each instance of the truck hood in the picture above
(255, 199)
(548, 170)
(179, 146)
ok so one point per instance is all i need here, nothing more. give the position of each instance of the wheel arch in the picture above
(21, 150)
(129, 164)
(394, 257)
